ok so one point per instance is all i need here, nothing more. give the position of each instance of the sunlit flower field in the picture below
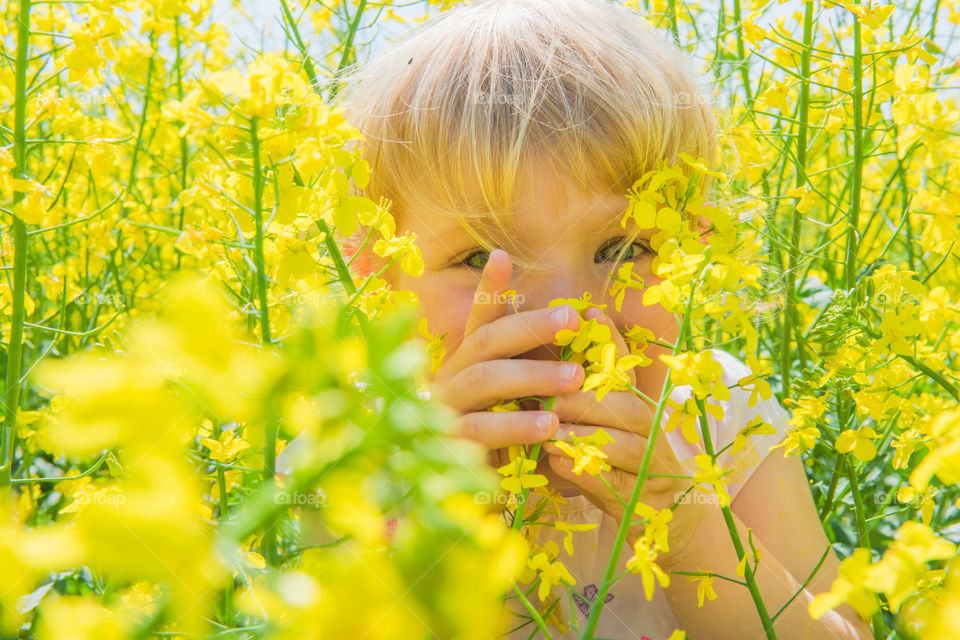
(176, 308)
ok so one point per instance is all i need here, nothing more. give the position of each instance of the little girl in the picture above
(506, 134)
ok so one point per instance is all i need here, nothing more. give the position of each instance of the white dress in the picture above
(634, 617)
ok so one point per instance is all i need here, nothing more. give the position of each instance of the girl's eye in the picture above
(482, 257)
(610, 251)
(477, 259)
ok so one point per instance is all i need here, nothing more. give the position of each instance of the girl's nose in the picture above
(536, 293)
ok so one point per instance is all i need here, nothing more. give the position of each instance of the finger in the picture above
(593, 313)
(512, 335)
(484, 384)
(500, 429)
(593, 487)
(622, 410)
(625, 452)
(488, 301)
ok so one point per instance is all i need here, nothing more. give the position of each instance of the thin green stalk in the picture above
(15, 345)
(853, 233)
(269, 544)
(625, 523)
(791, 317)
(525, 492)
(258, 258)
(674, 27)
(642, 473)
(224, 505)
(184, 150)
(741, 52)
(533, 612)
(863, 534)
(348, 45)
(728, 518)
(298, 41)
(831, 491)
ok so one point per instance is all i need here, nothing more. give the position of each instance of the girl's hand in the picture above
(628, 419)
(481, 373)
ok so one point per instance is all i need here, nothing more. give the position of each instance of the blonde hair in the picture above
(458, 111)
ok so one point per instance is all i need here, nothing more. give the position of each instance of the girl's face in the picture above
(573, 241)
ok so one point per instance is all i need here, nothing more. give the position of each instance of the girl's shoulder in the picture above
(742, 457)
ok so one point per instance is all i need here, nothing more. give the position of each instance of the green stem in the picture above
(184, 150)
(863, 534)
(258, 258)
(525, 492)
(224, 504)
(269, 544)
(791, 317)
(853, 233)
(741, 52)
(348, 45)
(533, 612)
(728, 518)
(15, 345)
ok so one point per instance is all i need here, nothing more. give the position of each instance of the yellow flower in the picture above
(226, 448)
(613, 373)
(410, 259)
(581, 304)
(704, 587)
(506, 405)
(701, 372)
(858, 441)
(754, 427)
(712, 473)
(742, 565)
(589, 332)
(518, 476)
(550, 573)
(553, 498)
(798, 439)
(903, 564)
(849, 586)
(700, 164)
(943, 460)
(908, 494)
(656, 525)
(586, 452)
(758, 388)
(435, 346)
(637, 338)
(625, 279)
(643, 562)
(570, 528)
(687, 415)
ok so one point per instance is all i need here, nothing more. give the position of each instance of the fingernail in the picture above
(561, 316)
(544, 422)
(569, 371)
